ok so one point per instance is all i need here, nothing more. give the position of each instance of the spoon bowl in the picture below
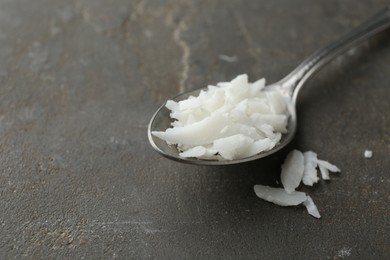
(161, 121)
(289, 87)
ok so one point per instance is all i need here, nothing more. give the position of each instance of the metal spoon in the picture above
(288, 86)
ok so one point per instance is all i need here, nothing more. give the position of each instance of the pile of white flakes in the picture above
(231, 120)
(298, 167)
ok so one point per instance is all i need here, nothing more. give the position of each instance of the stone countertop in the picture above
(80, 80)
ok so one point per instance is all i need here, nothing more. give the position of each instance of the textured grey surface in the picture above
(79, 81)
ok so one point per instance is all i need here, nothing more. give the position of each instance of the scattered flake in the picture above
(325, 167)
(368, 154)
(279, 196)
(311, 207)
(227, 58)
(324, 172)
(310, 173)
(297, 167)
(292, 171)
(329, 166)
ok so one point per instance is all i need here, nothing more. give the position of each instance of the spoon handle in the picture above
(293, 82)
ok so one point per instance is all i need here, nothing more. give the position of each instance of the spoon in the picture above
(289, 86)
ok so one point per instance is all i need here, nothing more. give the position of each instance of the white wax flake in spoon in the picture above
(197, 151)
(232, 120)
(279, 196)
(292, 170)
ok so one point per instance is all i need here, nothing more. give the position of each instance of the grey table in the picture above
(79, 81)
